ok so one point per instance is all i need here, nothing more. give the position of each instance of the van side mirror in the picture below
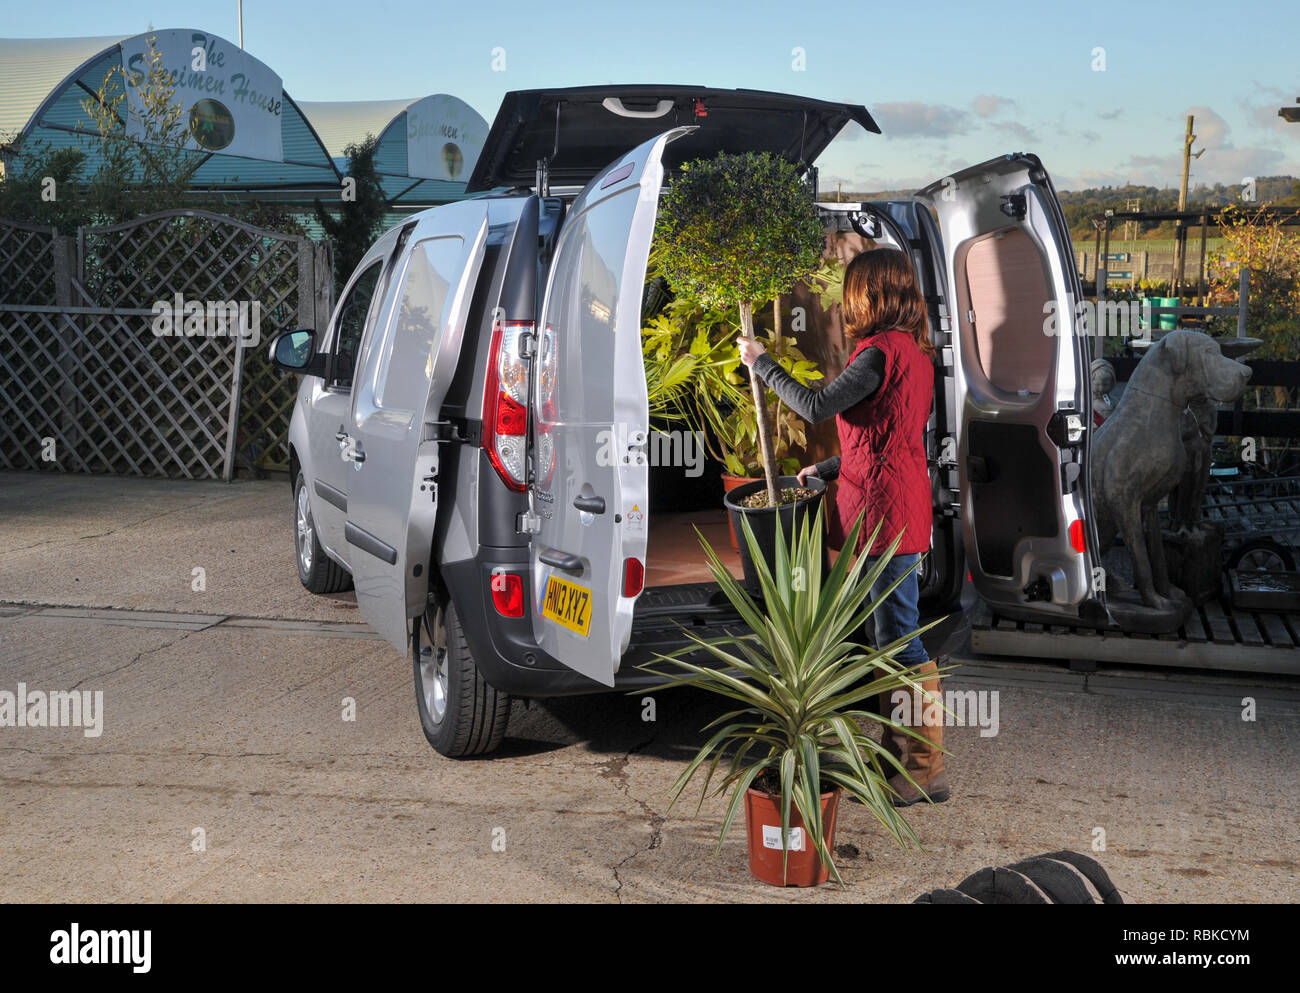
(295, 351)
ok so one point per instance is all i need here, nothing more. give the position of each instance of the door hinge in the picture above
(527, 345)
(528, 523)
(458, 430)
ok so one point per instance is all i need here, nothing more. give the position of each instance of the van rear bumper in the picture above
(507, 654)
(508, 657)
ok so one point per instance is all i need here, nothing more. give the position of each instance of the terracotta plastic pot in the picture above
(729, 483)
(763, 828)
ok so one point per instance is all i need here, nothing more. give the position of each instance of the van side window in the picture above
(351, 326)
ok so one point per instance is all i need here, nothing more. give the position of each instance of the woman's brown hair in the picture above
(880, 293)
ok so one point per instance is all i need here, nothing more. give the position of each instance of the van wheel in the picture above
(460, 713)
(316, 571)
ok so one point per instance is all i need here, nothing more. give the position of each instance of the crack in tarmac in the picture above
(138, 656)
(615, 770)
(121, 527)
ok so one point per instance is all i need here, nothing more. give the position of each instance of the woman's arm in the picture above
(829, 469)
(858, 381)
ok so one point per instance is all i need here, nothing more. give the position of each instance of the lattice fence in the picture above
(126, 400)
(26, 263)
(83, 365)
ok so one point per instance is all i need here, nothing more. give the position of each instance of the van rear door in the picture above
(590, 419)
(1023, 395)
(402, 378)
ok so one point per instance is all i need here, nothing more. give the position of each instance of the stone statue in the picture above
(1141, 453)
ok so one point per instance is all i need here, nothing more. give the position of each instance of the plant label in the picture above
(772, 837)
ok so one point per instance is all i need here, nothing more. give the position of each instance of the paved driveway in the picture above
(223, 722)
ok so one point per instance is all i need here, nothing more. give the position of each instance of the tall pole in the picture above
(1180, 236)
(240, 5)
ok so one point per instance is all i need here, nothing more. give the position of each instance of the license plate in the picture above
(568, 604)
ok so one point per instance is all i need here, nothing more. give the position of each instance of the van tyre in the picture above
(460, 713)
(316, 571)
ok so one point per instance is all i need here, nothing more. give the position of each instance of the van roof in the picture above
(580, 130)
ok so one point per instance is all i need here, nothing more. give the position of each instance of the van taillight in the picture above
(508, 594)
(633, 576)
(505, 403)
(1077, 541)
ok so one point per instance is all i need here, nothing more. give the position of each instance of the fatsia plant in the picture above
(802, 676)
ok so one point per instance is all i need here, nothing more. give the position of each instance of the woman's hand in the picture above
(805, 472)
(750, 350)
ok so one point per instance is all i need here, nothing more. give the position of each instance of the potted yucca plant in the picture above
(802, 678)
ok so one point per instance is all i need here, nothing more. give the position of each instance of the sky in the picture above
(1099, 90)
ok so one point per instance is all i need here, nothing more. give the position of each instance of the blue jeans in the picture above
(898, 614)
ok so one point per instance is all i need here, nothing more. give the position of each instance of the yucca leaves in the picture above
(799, 677)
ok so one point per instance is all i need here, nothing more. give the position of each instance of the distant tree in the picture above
(354, 223)
(40, 184)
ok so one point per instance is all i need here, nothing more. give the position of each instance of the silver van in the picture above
(446, 437)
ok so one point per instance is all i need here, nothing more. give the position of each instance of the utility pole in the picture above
(1180, 232)
(1133, 205)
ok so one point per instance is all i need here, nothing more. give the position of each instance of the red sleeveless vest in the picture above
(882, 451)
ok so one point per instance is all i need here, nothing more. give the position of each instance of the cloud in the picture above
(1111, 115)
(986, 105)
(1210, 128)
(1016, 130)
(1266, 117)
(1226, 165)
(920, 120)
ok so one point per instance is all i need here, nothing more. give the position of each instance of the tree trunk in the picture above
(760, 410)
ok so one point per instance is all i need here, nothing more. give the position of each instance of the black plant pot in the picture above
(762, 521)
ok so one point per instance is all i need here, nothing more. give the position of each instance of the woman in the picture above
(881, 403)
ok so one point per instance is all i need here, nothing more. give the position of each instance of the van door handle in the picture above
(590, 504)
(561, 560)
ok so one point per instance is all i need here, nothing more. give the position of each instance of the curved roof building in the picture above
(247, 136)
(427, 147)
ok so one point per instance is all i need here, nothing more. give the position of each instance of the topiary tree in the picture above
(739, 230)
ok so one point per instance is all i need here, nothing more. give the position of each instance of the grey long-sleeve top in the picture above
(859, 380)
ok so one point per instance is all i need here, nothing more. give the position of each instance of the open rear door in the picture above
(397, 397)
(590, 419)
(1023, 393)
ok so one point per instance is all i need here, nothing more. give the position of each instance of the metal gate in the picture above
(88, 383)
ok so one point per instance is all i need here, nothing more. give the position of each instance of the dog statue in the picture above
(1141, 452)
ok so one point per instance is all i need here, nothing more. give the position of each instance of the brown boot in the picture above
(923, 759)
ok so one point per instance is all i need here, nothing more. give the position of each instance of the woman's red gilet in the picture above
(882, 451)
